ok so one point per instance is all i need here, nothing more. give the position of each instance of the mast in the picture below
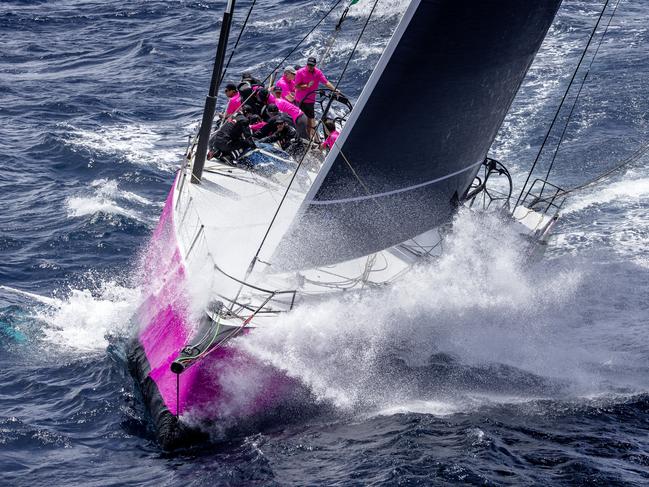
(210, 100)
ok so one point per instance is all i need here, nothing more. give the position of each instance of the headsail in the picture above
(422, 125)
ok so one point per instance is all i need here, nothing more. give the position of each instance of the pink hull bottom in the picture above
(224, 385)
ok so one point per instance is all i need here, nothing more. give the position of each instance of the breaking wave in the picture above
(83, 320)
(622, 227)
(137, 144)
(106, 199)
(482, 325)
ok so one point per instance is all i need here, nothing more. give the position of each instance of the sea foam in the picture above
(480, 303)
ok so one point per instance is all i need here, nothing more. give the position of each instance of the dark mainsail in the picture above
(422, 125)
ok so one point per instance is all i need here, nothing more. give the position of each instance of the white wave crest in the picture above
(138, 144)
(84, 320)
(617, 219)
(629, 191)
(106, 199)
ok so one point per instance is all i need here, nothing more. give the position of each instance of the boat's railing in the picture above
(192, 240)
(494, 197)
(548, 199)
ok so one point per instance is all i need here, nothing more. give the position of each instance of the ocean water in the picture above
(482, 368)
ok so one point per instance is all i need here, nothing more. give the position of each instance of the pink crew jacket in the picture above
(287, 87)
(233, 105)
(307, 94)
(288, 108)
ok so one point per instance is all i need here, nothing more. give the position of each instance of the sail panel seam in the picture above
(395, 191)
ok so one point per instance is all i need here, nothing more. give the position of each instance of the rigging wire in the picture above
(644, 149)
(563, 99)
(349, 58)
(583, 82)
(234, 48)
(281, 63)
(337, 29)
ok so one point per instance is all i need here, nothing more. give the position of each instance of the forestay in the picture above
(420, 129)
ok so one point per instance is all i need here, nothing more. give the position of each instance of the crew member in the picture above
(331, 134)
(307, 81)
(283, 133)
(256, 98)
(299, 118)
(233, 138)
(246, 94)
(261, 99)
(234, 101)
(270, 126)
(286, 84)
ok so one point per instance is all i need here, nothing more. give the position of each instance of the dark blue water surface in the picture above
(482, 369)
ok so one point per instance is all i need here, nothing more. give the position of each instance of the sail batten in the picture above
(422, 125)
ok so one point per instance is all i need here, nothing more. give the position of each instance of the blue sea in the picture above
(482, 368)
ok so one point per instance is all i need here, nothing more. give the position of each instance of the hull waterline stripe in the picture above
(396, 191)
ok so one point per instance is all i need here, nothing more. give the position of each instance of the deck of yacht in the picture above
(221, 222)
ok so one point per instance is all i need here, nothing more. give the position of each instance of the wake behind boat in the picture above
(239, 245)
